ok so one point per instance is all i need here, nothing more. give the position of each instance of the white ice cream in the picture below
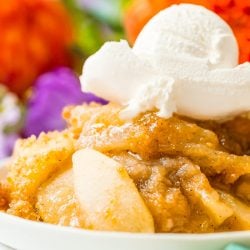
(184, 61)
(115, 72)
(188, 31)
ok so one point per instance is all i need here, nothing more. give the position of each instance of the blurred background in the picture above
(43, 45)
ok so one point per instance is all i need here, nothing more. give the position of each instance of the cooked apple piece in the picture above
(242, 188)
(196, 187)
(56, 201)
(241, 212)
(107, 195)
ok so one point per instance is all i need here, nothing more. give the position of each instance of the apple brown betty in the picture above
(192, 176)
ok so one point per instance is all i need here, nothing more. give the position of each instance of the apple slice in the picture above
(107, 195)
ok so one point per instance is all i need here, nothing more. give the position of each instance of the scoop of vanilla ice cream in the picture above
(184, 61)
(188, 30)
(115, 72)
(214, 94)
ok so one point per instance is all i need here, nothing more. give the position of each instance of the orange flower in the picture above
(235, 12)
(34, 37)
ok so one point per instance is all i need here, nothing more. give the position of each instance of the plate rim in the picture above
(113, 234)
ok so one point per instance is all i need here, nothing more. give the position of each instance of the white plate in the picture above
(24, 234)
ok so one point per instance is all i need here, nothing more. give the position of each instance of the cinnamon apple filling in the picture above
(150, 174)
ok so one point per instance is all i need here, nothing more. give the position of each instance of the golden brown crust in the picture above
(151, 137)
(4, 196)
(79, 116)
(34, 160)
(175, 163)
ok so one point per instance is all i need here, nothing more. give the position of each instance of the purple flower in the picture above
(52, 92)
(7, 144)
(10, 121)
